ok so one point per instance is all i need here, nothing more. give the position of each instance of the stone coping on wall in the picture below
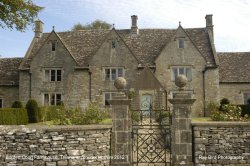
(33, 128)
(217, 123)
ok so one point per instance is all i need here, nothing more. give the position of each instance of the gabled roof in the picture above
(147, 80)
(234, 67)
(146, 46)
(200, 38)
(9, 74)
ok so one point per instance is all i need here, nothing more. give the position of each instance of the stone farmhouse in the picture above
(77, 67)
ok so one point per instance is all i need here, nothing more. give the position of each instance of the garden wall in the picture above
(221, 143)
(51, 146)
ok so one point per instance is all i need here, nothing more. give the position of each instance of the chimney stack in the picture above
(38, 28)
(209, 24)
(134, 28)
(209, 20)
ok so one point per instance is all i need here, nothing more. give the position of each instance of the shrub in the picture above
(223, 102)
(17, 104)
(61, 116)
(135, 115)
(13, 116)
(162, 116)
(93, 115)
(51, 112)
(230, 113)
(33, 111)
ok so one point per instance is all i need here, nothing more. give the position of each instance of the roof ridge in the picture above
(12, 58)
(233, 52)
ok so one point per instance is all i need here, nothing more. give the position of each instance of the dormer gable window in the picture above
(180, 42)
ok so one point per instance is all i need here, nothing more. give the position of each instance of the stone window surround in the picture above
(244, 94)
(1, 101)
(53, 45)
(50, 96)
(110, 72)
(111, 95)
(185, 67)
(56, 74)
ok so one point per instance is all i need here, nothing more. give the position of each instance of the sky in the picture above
(231, 19)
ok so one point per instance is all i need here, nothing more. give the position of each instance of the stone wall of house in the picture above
(74, 86)
(221, 143)
(107, 57)
(9, 94)
(189, 56)
(212, 89)
(24, 86)
(233, 92)
(55, 146)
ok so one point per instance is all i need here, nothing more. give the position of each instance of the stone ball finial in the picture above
(120, 83)
(181, 81)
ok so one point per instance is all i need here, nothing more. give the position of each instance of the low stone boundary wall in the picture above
(221, 143)
(57, 145)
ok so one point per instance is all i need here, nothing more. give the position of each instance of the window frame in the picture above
(48, 75)
(52, 97)
(113, 44)
(109, 76)
(178, 68)
(53, 46)
(243, 97)
(181, 42)
(111, 95)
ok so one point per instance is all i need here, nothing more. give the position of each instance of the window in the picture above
(1, 102)
(53, 45)
(53, 75)
(108, 96)
(246, 96)
(112, 73)
(181, 43)
(181, 70)
(52, 99)
(113, 44)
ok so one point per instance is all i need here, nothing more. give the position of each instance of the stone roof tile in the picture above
(9, 74)
(234, 67)
(146, 46)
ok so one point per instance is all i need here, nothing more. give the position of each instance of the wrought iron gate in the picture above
(151, 137)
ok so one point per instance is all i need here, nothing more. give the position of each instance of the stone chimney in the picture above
(134, 28)
(38, 28)
(209, 24)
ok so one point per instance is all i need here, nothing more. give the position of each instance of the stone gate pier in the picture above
(181, 125)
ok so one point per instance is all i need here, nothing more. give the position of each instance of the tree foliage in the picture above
(97, 24)
(17, 13)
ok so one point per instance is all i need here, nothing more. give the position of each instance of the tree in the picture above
(17, 13)
(97, 24)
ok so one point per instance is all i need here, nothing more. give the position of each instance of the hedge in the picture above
(13, 116)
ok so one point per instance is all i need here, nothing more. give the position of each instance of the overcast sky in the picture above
(231, 19)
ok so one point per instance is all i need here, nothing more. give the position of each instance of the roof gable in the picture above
(37, 46)
(147, 80)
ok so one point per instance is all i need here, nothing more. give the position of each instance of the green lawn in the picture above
(201, 119)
